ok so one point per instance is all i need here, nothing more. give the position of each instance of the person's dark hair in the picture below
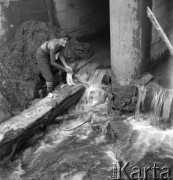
(64, 34)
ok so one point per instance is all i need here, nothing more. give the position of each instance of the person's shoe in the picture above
(49, 89)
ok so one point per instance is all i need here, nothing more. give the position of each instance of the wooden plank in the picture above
(162, 11)
(17, 131)
(160, 30)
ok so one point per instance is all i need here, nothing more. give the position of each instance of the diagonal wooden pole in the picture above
(159, 29)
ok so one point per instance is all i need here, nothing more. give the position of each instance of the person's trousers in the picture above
(43, 60)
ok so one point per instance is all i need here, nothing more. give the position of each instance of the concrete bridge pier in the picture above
(130, 37)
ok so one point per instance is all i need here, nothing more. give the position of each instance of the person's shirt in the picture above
(45, 47)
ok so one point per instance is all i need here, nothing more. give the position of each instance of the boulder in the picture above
(123, 100)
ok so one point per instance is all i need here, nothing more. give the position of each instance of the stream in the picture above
(79, 149)
(73, 150)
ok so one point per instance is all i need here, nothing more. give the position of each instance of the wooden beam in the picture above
(18, 131)
(159, 29)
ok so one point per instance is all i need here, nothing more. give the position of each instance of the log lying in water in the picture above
(17, 131)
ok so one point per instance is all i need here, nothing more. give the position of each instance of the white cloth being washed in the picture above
(69, 79)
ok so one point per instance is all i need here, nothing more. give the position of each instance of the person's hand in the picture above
(68, 70)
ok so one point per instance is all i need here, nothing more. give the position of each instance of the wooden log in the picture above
(159, 29)
(17, 131)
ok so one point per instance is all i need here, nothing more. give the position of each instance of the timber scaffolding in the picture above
(23, 130)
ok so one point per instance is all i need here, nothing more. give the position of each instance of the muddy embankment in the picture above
(19, 73)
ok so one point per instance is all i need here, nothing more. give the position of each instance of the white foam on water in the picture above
(151, 138)
(93, 96)
(111, 155)
(159, 103)
(152, 122)
(76, 176)
(16, 175)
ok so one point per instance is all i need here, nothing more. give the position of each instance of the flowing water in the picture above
(75, 149)
(151, 127)
(78, 149)
(150, 134)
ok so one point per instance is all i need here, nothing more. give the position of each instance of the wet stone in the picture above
(123, 100)
(145, 79)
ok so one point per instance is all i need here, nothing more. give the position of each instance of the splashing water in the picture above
(70, 151)
(152, 139)
(155, 102)
(74, 150)
(152, 126)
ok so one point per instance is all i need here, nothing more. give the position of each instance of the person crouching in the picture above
(45, 56)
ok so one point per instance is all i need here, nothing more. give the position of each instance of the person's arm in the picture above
(63, 60)
(68, 68)
(52, 57)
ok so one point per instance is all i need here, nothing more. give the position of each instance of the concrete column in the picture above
(127, 47)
